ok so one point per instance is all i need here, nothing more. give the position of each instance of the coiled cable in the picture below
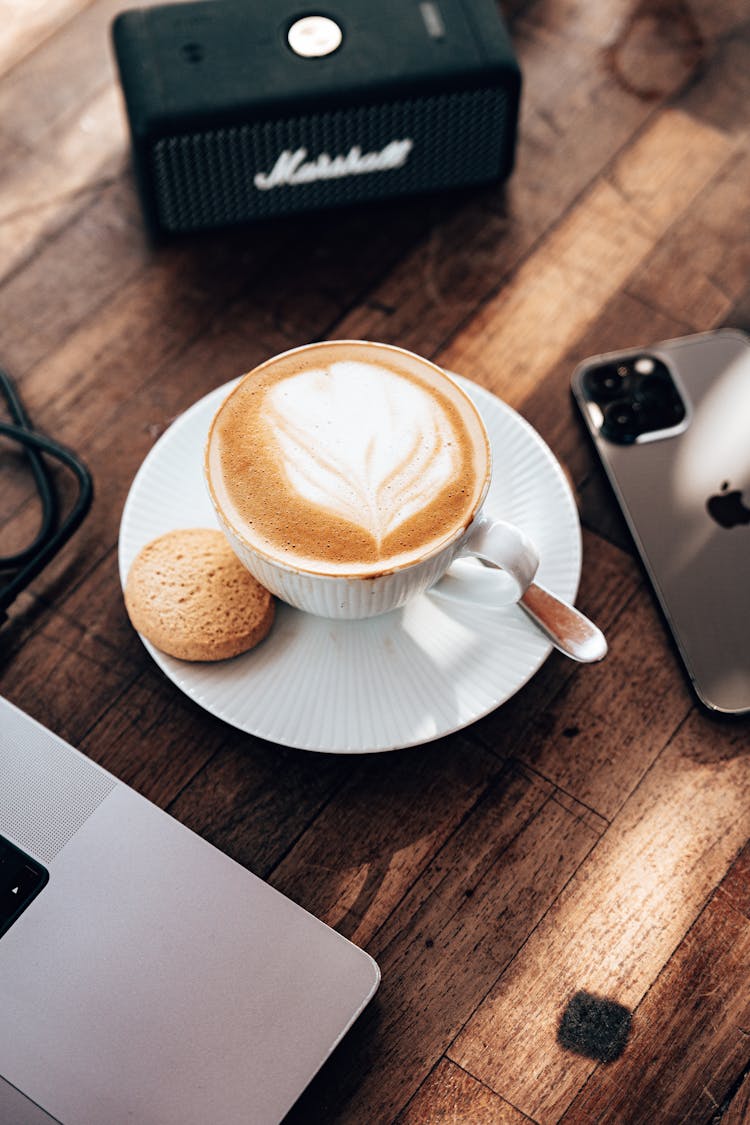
(52, 534)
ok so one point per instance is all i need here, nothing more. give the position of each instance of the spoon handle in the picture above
(570, 632)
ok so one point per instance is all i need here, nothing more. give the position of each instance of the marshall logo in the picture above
(295, 168)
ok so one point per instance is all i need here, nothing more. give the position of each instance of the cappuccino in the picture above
(347, 458)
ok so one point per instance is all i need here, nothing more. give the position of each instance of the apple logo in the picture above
(727, 508)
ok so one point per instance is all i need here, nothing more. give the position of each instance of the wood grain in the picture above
(618, 920)
(589, 256)
(449, 937)
(609, 581)
(738, 1110)
(25, 30)
(474, 250)
(587, 745)
(450, 1096)
(588, 834)
(699, 1008)
(61, 113)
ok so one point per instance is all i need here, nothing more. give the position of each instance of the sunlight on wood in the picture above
(26, 23)
(520, 334)
(619, 919)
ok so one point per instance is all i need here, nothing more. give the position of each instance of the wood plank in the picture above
(244, 795)
(77, 270)
(722, 95)
(609, 581)
(450, 1096)
(589, 257)
(26, 25)
(65, 147)
(120, 344)
(658, 49)
(738, 1110)
(608, 725)
(740, 314)
(616, 924)
(64, 680)
(253, 799)
(150, 714)
(133, 335)
(89, 147)
(94, 607)
(448, 938)
(700, 268)
(68, 664)
(391, 817)
(624, 322)
(62, 151)
(42, 192)
(24, 232)
(575, 99)
(690, 1045)
(735, 886)
(471, 253)
(691, 281)
(51, 85)
(123, 341)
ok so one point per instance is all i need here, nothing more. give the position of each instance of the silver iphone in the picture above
(671, 424)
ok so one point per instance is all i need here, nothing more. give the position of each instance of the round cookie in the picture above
(189, 594)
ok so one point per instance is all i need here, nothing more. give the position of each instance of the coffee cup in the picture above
(349, 475)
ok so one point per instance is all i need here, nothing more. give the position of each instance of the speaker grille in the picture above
(47, 790)
(206, 179)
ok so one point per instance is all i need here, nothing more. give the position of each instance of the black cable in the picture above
(42, 476)
(48, 541)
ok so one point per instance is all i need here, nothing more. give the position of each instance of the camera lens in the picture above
(654, 388)
(660, 401)
(622, 421)
(608, 382)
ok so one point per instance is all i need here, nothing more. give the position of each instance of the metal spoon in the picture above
(567, 628)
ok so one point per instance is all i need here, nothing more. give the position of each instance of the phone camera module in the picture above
(636, 396)
(622, 422)
(607, 383)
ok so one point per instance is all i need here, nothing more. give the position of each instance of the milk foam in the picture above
(347, 458)
(361, 441)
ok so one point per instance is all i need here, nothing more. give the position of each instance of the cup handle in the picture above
(505, 547)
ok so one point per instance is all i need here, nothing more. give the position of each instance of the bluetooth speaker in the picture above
(242, 110)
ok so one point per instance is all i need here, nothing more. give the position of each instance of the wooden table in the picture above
(591, 833)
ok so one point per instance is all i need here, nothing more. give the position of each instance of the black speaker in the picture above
(245, 109)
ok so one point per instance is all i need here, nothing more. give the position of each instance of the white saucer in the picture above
(443, 661)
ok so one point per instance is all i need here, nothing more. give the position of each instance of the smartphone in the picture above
(671, 425)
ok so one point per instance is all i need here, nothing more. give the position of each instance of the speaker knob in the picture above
(314, 36)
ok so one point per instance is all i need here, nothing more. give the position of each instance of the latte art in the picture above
(391, 450)
(347, 458)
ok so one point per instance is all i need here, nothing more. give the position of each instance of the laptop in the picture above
(145, 977)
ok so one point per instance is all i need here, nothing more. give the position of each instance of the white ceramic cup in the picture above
(341, 596)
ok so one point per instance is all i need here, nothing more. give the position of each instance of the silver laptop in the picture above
(144, 976)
